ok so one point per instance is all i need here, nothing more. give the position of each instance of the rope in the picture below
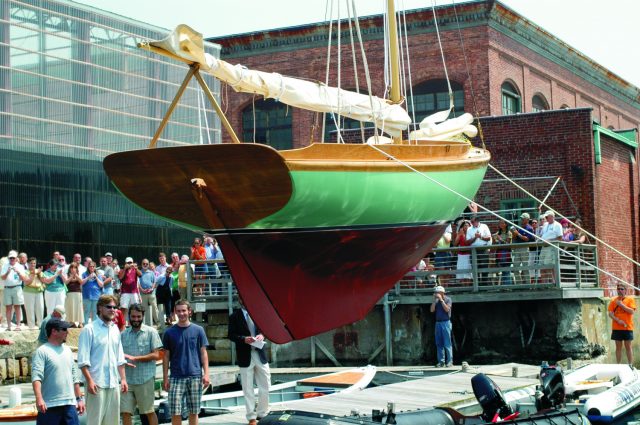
(466, 64)
(558, 248)
(406, 45)
(444, 64)
(355, 64)
(543, 204)
(365, 64)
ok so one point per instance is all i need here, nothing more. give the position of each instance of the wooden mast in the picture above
(396, 96)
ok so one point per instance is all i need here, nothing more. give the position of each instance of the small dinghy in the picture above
(603, 392)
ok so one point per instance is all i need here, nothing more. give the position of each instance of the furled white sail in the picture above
(187, 44)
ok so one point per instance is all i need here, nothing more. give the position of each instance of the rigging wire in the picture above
(557, 214)
(444, 64)
(365, 65)
(444, 186)
(410, 85)
(466, 64)
(354, 59)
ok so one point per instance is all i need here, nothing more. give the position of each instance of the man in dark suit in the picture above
(252, 360)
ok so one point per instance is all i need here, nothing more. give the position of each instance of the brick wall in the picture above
(560, 144)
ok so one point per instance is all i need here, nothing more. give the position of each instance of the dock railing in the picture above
(494, 268)
(507, 266)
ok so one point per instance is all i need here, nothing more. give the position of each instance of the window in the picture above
(349, 128)
(512, 208)
(433, 96)
(539, 103)
(272, 124)
(510, 99)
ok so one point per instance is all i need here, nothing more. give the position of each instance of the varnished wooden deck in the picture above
(452, 388)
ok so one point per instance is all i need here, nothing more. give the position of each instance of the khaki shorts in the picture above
(547, 256)
(127, 300)
(140, 396)
(13, 296)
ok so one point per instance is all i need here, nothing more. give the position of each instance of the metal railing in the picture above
(506, 267)
(490, 268)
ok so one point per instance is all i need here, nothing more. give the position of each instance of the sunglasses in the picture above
(129, 262)
(110, 307)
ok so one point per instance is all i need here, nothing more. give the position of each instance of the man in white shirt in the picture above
(13, 274)
(551, 231)
(479, 235)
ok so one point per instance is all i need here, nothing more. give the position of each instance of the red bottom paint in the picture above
(300, 283)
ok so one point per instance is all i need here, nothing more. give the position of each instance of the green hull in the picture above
(340, 198)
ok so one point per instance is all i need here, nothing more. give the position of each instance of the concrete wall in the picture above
(484, 333)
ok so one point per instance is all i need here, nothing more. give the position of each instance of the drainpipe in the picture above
(596, 146)
(387, 330)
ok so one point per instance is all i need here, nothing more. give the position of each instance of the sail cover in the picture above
(187, 44)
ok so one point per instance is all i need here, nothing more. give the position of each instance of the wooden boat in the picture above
(315, 236)
(23, 415)
(318, 386)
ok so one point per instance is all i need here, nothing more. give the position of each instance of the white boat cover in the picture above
(446, 130)
(187, 44)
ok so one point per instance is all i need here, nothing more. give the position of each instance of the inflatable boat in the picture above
(603, 392)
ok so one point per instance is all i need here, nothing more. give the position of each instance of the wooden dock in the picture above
(450, 389)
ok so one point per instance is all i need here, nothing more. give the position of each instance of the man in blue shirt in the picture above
(441, 306)
(101, 360)
(55, 378)
(520, 256)
(147, 284)
(185, 344)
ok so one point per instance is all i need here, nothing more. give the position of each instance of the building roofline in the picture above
(496, 15)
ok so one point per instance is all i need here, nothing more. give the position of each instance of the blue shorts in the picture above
(58, 415)
(442, 260)
(622, 335)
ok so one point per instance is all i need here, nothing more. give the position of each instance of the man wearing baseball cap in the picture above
(441, 306)
(13, 274)
(55, 378)
(57, 313)
(519, 255)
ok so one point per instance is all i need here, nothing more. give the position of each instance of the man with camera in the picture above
(129, 291)
(441, 307)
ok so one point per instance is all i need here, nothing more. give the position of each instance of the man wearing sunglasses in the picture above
(621, 310)
(101, 360)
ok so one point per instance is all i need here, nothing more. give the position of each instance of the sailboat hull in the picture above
(313, 237)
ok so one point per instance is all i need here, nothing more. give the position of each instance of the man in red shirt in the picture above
(621, 310)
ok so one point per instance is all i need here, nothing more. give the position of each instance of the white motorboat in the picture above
(323, 385)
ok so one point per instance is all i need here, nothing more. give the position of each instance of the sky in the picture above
(606, 31)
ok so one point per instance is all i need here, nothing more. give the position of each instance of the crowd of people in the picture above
(119, 308)
(77, 285)
(118, 368)
(531, 263)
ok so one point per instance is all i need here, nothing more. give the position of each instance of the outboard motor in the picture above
(552, 390)
(490, 398)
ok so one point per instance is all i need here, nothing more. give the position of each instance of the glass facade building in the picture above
(75, 87)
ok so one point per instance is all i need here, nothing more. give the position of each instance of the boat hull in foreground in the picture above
(313, 237)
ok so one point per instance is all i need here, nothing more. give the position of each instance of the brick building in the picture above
(548, 111)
